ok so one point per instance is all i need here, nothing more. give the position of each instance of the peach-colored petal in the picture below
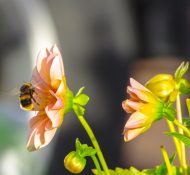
(56, 116)
(62, 90)
(142, 95)
(36, 119)
(48, 136)
(136, 120)
(135, 84)
(35, 142)
(131, 134)
(58, 103)
(57, 69)
(38, 82)
(139, 93)
(132, 104)
(37, 124)
(127, 108)
(41, 132)
(44, 62)
(132, 95)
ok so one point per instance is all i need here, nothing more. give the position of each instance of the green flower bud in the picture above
(74, 163)
(184, 86)
(163, 86)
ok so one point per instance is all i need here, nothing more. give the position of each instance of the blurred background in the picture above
(103, 43)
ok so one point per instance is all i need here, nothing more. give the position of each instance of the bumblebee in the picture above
(26, 96)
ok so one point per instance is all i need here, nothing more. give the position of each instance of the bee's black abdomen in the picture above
(26, 102)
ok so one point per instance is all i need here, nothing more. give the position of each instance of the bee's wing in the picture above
(14, 92)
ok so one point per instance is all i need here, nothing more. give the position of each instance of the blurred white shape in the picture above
(40, 26)
(41, 32)
(10, 163)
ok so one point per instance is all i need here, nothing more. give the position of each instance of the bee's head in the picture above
(25, 86)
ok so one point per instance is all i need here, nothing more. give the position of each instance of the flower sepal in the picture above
(79, 101)
(169, 112)
(81, 98)
(69, 101)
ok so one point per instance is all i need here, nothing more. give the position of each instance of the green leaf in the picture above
(79, 110)
(180, 137)
(121, 171)
(88, 152)
(134, 171)
(186, 122)
(181, 70)
(81, 99)
(83, 149)
(161, 169)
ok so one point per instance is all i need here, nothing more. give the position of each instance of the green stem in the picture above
(96, 163)
(176, 142)
(95, 143)
(166, 159)
(178, 122)
(186, 130)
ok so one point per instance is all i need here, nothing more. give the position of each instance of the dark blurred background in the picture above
(103, 43)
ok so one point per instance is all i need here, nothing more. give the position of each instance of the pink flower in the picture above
(145, 107)
(50, 98)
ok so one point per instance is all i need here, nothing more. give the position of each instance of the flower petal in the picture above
(145, 96)
(136, 120)
(130, 134)
(132, 105)
(127, 108)
(135, 84)
(36, 129)
(56, 116)
(43, 64)
(57, 69)
(41, 132)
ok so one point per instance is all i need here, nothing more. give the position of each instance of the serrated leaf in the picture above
(181, 70)
(79, 110)
(83, 149)
(81, 99)
(180, 137)
(88, 152)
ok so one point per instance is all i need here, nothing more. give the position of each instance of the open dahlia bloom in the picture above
(50, 98)
(145, 108)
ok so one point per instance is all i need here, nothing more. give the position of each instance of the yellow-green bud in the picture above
(184, 86)
(74, 163)
(163, 86)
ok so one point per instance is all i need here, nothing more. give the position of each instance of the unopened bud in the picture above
(184, 86)
(74, 163)
(163, 86)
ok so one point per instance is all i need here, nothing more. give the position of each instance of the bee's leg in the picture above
(35, 100)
